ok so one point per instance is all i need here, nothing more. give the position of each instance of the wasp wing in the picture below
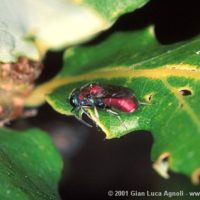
(111, 91)
(96, 90)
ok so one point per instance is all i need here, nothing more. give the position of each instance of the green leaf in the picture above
(29, 28)
(30, 166)
(161, 76)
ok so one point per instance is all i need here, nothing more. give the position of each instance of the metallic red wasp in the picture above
(109, 97)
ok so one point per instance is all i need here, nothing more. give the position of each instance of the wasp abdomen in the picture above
(125, 104)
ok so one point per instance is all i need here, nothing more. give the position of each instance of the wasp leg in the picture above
(96, 113)
(78, 114)
(144, 103)
(118, 117)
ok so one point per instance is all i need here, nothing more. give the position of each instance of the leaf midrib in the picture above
(179, 70)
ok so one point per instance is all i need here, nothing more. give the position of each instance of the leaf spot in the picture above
(161, 165)
(181, 105)
(149, 97)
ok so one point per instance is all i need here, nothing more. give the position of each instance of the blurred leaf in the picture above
(110, 9)
(30, 166)
(165, 77)
(28, 28)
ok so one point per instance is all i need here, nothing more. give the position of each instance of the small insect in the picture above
(109, 97)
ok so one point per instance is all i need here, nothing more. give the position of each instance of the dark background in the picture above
(94, 165)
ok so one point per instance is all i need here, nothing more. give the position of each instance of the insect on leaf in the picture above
(164, 77)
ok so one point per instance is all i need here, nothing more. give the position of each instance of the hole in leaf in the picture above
(165, 158)
(149, 97)
(185, 92)
(161, 165)
(196, 176)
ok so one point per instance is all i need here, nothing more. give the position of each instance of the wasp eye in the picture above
(73, 100)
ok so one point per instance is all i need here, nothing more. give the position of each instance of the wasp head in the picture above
(74, 98)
